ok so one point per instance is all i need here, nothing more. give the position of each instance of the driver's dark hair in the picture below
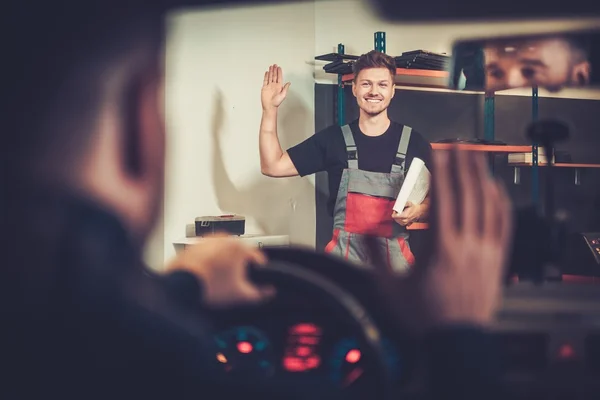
(57, 61)
(580, 45)
(374, 59)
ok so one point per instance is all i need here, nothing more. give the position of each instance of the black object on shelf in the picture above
(340, 64)
(231, 224)
(336, 57)
(339, 67)
(421, 59)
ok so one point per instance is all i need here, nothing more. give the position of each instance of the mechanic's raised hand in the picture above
(411, 213)
(221, 262)
(273, 91)
(463, 281)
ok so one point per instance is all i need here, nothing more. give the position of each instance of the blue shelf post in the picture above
(489, 116)
(489, 124)
(380, 41)
(341, 117)
(535, 177)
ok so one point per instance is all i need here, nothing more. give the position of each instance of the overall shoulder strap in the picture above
(399, 161)
(351, 149)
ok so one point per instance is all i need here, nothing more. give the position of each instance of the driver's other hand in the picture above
(222, 262)
(473, 235)
(472, 223)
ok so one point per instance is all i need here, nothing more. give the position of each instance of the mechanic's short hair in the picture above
(58, 62)
(374, 59)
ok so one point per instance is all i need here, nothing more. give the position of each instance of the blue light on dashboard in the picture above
(245, 350)
(261, 345)
(242, 334)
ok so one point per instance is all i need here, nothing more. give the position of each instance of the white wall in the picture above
(215, 65)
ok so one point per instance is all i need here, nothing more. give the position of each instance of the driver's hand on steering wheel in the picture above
(221, 262)
(472, 222)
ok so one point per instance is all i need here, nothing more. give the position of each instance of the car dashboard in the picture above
(303, 345)
(552, 352)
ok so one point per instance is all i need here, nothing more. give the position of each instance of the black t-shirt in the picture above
(326, 151)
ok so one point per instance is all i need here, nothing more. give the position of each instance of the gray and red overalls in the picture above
(364, 207)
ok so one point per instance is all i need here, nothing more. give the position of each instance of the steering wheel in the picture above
(295, 268)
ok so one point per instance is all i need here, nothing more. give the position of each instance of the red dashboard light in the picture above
(313, 362)
(244, 347)
(307, 340)
(300, 353)
(296, 364)
(292, 364)
(353, 356)
(303, 351)
(566, 351)
(305, 329)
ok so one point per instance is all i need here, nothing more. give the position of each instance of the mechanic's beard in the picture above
(372, 113)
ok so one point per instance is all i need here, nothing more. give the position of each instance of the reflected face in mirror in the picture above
(551, 63)
(374, 90)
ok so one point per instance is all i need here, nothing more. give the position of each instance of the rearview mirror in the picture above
(550, 61)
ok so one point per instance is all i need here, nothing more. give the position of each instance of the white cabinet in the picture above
(252, 240)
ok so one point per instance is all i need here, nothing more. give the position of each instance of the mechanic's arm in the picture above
(424, 208)
(274, 162)
(413, 213)
(305, 158)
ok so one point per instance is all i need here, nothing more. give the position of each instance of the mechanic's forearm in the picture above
(463, 363)
(425, 206)
(269, 146)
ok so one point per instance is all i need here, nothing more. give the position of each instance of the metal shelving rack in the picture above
(489, 119)
(535, 177)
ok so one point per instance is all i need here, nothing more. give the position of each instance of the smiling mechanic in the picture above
(366, 162)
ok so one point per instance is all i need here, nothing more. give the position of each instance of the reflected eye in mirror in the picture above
(551, 61)
(528, 73)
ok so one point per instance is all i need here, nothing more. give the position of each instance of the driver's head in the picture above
(551, 63)
(82, 110)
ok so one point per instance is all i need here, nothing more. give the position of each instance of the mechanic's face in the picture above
(373, 89)
(548, 63)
